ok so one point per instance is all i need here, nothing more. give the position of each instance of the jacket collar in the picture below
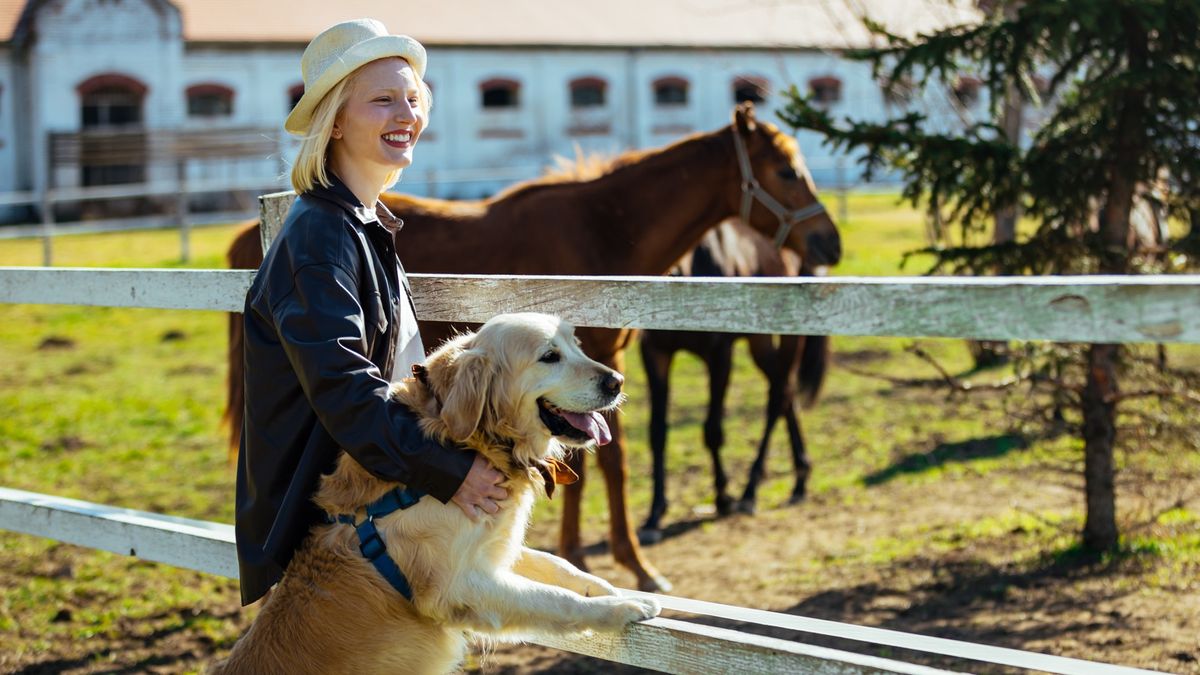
(340, 195)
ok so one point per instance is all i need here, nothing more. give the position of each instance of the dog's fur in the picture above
(333, 613)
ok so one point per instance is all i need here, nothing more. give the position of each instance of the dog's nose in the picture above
(611, 384)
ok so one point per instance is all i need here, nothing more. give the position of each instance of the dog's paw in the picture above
(624, 611)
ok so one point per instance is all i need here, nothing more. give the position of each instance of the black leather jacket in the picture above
(321, 324)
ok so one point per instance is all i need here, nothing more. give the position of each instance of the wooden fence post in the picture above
(273, 209)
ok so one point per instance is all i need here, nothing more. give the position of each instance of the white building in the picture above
(514, 83)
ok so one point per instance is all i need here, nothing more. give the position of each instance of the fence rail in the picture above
(1064, 309)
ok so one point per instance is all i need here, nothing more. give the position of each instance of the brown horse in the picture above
(795, 364)
(637, 218)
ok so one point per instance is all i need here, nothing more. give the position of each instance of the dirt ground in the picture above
(979, 550)
(780, 559)
(1093, 610)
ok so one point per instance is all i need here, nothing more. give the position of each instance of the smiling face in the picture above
(380, 121)
(523, 377)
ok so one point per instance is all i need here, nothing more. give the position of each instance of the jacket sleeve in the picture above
(321, 327)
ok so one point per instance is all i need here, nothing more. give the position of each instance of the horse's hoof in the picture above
(724, 505)
(796, 498)
(649, 535)
(655, 584)
(747, 506)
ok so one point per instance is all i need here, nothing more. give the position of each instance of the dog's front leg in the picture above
(511, 603)
(551, 569)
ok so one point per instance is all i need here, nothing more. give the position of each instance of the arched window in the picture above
(587, 92)
(209, 100)
(294, 93)
(670, 91)
(499, 93)
(825, 90)
(753, 89)
(111, 100)
(966, 91)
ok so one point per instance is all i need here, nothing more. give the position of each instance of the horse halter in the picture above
(752, 190)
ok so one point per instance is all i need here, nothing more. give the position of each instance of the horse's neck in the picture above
(670, 199)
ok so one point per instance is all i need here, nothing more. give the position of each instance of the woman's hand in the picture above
(480, 492)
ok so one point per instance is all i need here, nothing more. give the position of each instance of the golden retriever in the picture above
(520, 392)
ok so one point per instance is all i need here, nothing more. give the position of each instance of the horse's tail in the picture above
(245, 253)
(814, 363)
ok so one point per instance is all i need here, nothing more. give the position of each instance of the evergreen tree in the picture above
(1125, 77)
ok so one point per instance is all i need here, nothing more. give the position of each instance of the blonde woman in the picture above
(329, 318)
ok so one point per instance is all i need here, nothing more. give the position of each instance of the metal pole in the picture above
(181, 208)
(47, 227)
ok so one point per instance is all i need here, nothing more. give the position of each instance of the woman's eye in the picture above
(550, 357)
(788, 174)
(383, 99)
(413, 100)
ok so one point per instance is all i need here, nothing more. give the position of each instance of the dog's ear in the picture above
(470, 383)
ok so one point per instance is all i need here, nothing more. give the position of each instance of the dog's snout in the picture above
(611, 383)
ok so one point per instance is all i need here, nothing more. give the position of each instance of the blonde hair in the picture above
(309, 169)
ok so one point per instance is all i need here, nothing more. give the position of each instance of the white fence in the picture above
(1077, 309)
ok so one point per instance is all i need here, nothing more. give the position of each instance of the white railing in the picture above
(1077, 309)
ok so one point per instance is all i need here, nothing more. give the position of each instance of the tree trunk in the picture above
(1100, 434)
(1099, 400)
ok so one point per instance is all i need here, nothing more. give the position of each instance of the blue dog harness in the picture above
(372, 545)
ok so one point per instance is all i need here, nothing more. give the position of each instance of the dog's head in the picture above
(522, 380)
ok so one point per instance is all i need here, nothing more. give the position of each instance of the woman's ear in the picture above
(470, 386)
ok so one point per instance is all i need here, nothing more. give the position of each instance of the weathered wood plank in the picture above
(673, 646)
(1065, 309)
(198, 545)
(893, 638)
(181, 542)
(221, 290)
(272, 210)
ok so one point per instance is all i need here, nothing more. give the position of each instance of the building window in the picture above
(966, 91)
(111, 100)
(825, 90)
(294, 93)
(670, 91)
(209, 100)
(587, 92)
(753, 89)
(500, 93)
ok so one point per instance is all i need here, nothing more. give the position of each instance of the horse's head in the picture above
(777, 196)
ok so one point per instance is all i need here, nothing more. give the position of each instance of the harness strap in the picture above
(751, 190)
(371, 544)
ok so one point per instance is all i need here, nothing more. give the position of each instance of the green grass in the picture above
(125, 411)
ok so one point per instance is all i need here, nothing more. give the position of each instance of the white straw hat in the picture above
(340, 50)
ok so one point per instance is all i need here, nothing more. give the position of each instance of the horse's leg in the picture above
(774, 364)
(799, 452)
(624, 547)
(657, 363)
(720, 364)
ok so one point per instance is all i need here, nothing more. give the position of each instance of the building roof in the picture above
(813, 24)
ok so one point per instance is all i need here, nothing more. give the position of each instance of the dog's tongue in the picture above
(593, 424)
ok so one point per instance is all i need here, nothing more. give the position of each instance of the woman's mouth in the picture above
(398, 139)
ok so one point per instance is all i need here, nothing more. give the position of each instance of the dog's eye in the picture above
(550, 357)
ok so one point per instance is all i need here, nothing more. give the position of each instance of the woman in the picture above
(329, 318)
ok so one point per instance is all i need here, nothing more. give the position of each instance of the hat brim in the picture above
(381, 47)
